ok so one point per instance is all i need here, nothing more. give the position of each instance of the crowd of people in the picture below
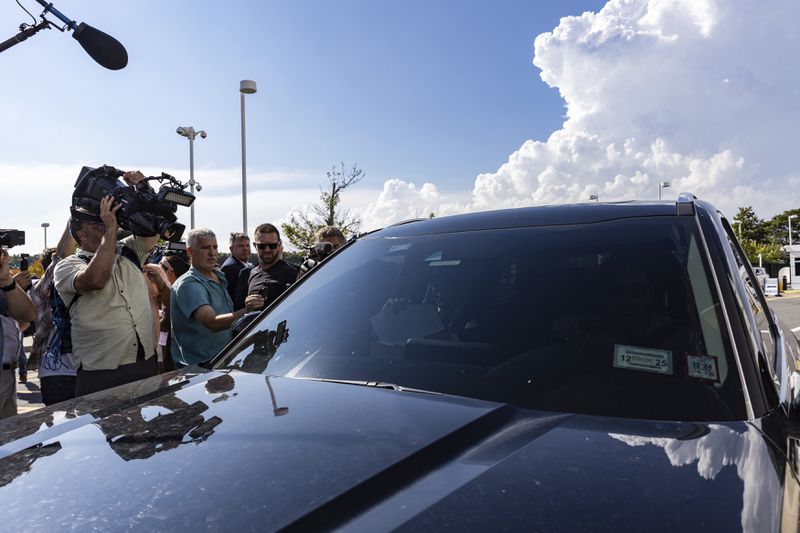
(105, 313)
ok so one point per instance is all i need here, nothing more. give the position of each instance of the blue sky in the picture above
(443, 104)
(420, 90)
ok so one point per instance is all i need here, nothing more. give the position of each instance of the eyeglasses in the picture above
(270, 245)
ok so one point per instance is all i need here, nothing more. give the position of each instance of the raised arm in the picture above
(20, 306)
(96, 275)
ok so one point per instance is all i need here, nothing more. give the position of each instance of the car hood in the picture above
(229, 450)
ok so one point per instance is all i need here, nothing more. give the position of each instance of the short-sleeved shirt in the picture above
(269, 283)
(108, 324)
(192, 342)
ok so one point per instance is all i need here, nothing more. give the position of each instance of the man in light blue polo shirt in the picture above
(201, 310)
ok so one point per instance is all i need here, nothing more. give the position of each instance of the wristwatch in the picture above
(10, 287)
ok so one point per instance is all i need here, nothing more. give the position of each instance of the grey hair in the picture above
(238, 236)
(196, 234)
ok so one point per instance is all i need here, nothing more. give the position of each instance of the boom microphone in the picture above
(103, 48)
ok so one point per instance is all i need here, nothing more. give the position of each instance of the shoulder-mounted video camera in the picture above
(144, 211)
(11, 237)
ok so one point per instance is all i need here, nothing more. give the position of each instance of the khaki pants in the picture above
(8, 393)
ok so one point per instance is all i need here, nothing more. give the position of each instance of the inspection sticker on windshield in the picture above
(702, 367)
(644, 359)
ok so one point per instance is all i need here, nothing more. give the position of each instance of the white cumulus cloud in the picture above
(701, 93)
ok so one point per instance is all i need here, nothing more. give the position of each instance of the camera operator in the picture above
(15, 305)
(112, 328)
(260, 285)
(329, 239)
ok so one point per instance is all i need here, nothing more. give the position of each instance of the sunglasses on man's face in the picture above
(270, 245)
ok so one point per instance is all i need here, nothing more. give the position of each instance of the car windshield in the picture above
(617, 318)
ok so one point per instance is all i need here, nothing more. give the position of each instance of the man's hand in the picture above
(108, 214)
(20, 307)
(5, 274)
(23, 279)
(157, 275)
(254, 302)
(132, 177)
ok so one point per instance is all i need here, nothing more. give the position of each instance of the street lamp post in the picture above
(45, 225)
(190, 133)
(791, 265)
(245, 87)
(662, 185)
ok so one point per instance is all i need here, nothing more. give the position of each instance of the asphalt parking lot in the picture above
(787, 307)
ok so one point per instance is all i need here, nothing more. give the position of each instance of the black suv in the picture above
(559, 368)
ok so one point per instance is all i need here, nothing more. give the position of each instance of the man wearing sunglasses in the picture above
(260, 285)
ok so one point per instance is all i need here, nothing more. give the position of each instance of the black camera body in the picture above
(144, 211)
(168, 249)
(316, 255)
(11, 237)
(23, 262)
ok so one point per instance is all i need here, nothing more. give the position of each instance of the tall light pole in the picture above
(662, 185)
(190, 133)
(245, 87)
(45, 225)
(791, 266)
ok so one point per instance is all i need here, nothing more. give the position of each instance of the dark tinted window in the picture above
(615, 318)
(764, 340)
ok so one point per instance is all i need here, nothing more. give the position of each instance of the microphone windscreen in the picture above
(103, 48)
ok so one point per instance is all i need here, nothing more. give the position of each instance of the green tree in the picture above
(303, 225)
(749, 226)
(778, 228)
(770, 252)
(767, 238)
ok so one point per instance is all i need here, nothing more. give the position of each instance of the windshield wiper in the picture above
(374, 384)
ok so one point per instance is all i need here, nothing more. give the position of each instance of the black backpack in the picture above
(61, 338)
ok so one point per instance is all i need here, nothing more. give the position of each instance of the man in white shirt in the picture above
(112, 328)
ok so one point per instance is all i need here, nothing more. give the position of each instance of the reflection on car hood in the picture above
(232, 450)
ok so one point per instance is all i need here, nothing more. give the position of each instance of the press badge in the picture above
(702, 367)
(643, 359)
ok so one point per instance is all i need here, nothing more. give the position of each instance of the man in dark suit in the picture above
(240, 254)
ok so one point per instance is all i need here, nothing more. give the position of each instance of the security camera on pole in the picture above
(190, 133)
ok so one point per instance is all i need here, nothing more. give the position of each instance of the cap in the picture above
(81, 213)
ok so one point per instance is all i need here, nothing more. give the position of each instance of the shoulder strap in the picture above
(125, 252)
(129, 254)
(71, 303)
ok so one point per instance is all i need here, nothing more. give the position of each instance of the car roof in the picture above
(547, 215)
